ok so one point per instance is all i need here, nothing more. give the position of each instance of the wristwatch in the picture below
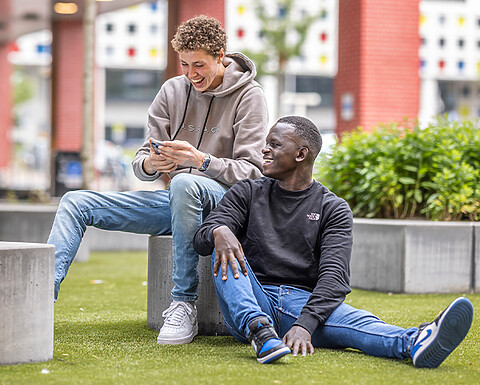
(206, 162)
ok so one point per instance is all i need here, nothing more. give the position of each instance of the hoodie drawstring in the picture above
(204, 125)
(205, 122)
(184, 113)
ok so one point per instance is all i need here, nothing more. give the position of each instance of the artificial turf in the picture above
(101, 337)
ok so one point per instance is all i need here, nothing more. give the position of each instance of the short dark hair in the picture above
(306, 130)
(201, 32)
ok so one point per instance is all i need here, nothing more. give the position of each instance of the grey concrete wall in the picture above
(25, 222)
(104, 240)
(160, 284)
(438, 257)
(414, 256)
(377, 256)
(26, 302)
(32, 223)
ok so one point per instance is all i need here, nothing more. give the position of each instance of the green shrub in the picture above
(403, 171)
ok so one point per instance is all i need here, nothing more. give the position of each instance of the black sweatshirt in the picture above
(297, 238)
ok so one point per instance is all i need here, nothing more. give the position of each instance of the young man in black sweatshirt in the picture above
(297, 238)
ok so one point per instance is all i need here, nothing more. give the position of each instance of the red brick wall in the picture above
(67, 86)
(5, 107)
(192, 8)
(378, 61)
(182, 10)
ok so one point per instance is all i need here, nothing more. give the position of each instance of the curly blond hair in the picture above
(201, 32)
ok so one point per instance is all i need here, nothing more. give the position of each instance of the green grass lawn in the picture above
(101, 337)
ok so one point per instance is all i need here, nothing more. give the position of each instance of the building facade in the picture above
(131, 64)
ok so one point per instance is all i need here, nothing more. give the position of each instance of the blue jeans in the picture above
(243, 299)
(179, 211)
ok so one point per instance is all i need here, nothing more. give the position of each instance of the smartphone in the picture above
(156, 144)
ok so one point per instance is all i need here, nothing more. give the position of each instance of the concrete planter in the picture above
(404, 256)
(32, 223)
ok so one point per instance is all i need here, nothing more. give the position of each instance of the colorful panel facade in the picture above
(318, 55)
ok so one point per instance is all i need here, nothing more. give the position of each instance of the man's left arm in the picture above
(335, 245)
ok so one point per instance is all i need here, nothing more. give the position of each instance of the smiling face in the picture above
(282, 152)
(204, 71)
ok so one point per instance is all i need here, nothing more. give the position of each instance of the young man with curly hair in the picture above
(211, 125)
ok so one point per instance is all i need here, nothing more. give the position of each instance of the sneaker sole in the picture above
(273, 356)
(452, 329)
(179, 341)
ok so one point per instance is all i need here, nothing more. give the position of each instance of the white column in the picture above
(430, 102)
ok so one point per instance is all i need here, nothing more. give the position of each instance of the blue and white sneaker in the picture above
(265, 341)
(436, 340)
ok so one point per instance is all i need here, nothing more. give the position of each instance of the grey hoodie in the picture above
(234, 116)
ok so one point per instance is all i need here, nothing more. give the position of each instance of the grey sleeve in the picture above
(158, 126)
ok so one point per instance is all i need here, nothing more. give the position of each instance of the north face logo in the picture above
(313, 216)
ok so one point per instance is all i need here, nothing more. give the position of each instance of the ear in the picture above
(221, 57)
(302, 154)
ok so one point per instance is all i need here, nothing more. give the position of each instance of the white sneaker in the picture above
(180, 325)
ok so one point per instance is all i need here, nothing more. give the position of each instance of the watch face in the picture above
(206, 163)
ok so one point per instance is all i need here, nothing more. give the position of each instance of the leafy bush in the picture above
(406, 171)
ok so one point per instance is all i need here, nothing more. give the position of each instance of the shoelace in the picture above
(425, 324)
(263, 334)
(176, 313)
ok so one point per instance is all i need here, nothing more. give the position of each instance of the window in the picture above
(138, 85)
(132, 28)
(320, 84)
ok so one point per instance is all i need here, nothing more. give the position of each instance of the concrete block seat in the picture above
(160, 264)
(26, 302)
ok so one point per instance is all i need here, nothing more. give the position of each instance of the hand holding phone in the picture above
(156, 144)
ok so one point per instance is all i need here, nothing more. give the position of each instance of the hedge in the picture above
(405, 171)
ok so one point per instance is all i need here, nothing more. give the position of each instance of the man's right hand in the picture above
(155, 162)
(228, 250)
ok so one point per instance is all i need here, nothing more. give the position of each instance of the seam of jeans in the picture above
(362, 331)
(284, 291)
(123, 207)
(283, 311)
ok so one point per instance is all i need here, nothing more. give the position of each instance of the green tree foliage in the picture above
(283, 33)
(404, 172)
(22, 87)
